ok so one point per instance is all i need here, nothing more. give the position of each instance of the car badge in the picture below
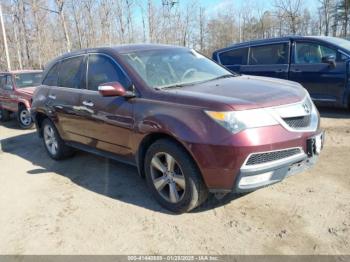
(306, 108)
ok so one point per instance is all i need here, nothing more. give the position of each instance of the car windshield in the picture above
(28, 79)
(174, 67)
(339, 42)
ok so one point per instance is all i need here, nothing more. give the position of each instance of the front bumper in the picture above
(224, 167)
(254, 177)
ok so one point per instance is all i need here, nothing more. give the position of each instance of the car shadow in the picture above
(100, 175)
(331, 112)
(11, 123)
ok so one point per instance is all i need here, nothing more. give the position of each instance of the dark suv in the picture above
(189, 125)
(319, 63)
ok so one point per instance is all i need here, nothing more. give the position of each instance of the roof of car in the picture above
(121, 49)
(275, 40)
(23, 71)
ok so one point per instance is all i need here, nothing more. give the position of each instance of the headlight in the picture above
(237, 121)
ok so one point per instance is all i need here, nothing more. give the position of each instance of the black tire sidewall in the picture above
(190, 172)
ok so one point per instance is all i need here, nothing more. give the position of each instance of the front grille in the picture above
(261, 158)
(298, 122)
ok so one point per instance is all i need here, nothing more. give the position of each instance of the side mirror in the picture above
(330, 59)
(8, 87)
(114, 89)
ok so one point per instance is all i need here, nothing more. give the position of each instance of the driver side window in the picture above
(312, 53)
(101, 69)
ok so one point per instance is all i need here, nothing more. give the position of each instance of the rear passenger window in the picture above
(70, 72)
(102, 69)
(52, 76)
(269, 54)
(234, 57)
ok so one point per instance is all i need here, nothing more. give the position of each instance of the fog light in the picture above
(256, 179)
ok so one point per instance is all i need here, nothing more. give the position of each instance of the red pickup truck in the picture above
(16, 91)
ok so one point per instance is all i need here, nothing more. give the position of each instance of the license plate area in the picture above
(315, 145)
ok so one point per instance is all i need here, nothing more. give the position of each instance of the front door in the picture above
(324, 82)
(108, 121)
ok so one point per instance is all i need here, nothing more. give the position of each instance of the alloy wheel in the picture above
(167, 177)
(50, 140)
(25, 117)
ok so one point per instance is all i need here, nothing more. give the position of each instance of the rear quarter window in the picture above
(234, 57)
(52, 76)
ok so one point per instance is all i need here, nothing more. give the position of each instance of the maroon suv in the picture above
(189, 125)
(16, 90)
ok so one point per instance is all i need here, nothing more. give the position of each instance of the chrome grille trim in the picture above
(287, 115)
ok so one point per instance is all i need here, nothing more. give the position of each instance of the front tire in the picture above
(54, 145)
(25, 120)
(173, 177)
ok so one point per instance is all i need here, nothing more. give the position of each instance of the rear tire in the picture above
(4, 115)
(173, 177)
(24, 118)
(54, 145)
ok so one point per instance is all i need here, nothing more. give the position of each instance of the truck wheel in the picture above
(24, 118)
(4, 115)
(55, 146)
(173, 177)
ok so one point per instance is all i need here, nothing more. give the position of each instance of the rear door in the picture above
(271, 60)
(64, 96)
(324, 82)
(108, 121)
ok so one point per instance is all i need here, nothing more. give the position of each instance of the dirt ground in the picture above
(91, 205)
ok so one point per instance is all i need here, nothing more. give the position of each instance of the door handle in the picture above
(295, 70)
(280, 71)
(53, 97)
(88, 103)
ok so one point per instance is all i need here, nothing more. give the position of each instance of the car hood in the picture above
(27, 90)
(245, 92)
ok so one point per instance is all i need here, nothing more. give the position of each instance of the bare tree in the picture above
(343, 13)
(38, 31)
(291, 11)
(327, 9)
(60, 5)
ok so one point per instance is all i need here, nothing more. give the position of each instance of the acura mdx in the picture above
(189, 125)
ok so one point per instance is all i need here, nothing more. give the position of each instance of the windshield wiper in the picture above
(171, 86)
(223, 76)
(190, 84)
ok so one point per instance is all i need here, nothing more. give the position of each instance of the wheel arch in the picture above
(39, 118)
(150, 139)
(23, 103)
